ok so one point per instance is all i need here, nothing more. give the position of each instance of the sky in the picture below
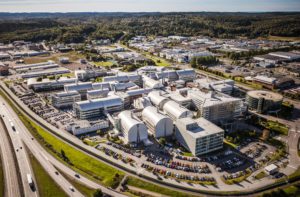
(148, 5)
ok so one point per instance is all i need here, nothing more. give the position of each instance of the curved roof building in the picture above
(134, 131)
(157, 99)
(159, 125)
(175, 111)
(262, 101)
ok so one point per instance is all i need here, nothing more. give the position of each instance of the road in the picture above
(12, 186)
(49, 162)
(22, 157)
(21, 134)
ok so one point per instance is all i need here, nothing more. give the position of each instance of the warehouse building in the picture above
(83, 126)
(263, 101)
(132, 129)
(65, 99)
(216, 107)
(199, 136)
(97, 107)
(175, 111)
(158, 124)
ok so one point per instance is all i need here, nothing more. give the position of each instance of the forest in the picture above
(78, 27)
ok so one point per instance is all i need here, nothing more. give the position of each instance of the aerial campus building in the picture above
(199, 136)
(157, 99)
(47, 84)
(65, 99)
(133, 130)
(263, 101)
(159, 125)
(97, 107)
(175, 111)
(216, 107)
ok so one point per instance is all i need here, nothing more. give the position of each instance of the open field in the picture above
(280, 38)
(76, 159)
(45, 184)
(159, 61)
(72, 55)
(103, 64)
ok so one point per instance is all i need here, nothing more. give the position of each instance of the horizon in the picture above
(132, 6)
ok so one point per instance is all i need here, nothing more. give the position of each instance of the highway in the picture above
(12, 186)
(18, 147)
(49, 162)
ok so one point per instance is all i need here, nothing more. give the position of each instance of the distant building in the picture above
(4, 71)
(263, 101)
(47, 84)
(175, 111)
(199, 136)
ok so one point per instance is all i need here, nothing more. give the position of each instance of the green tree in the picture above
(98, 193)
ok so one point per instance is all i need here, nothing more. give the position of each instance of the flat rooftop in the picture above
(265, 94)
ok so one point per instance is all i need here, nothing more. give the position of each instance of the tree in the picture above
(162, 141)
(98, 193)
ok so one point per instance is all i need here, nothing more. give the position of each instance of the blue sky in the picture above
(147, 5)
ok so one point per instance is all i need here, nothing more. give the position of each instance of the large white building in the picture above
(199, 136)
(158, 98)
(158, 124)
(47, 84)
(175, 111)
(65, 99)
(97, 107)
(216, 107)
(133, 130)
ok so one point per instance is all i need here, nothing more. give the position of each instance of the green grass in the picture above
(188, 154)
(154, 188)
(232, 145)
(47, 187)
(104, 64)
(85, 190)
(158, 61)
(77, 160)
(2, 184)
(260, 175)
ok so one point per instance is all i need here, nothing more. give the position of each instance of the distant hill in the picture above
(76, 27)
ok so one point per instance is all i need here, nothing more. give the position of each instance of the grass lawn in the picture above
(277, 127)
(47, 187)
(281, 38)
(232, 145)
(72, 55)
(155, 188)
(2, 185)
(104, 64)
(159, 61)
(85, 190)
(260, 175)
(188, 154)
(79, 161)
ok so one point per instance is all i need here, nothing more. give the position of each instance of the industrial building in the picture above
(65, 99)
(222, 86)
(137, 79)
(175, 111)
(35, 67)
(151, 83)
(98, 93)
(199, 136)
(158, 124)
(81, 88)
(47, 84)
(263, 101)
(216, 107)
(47, 72)
(132, 129)
(97, 107)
